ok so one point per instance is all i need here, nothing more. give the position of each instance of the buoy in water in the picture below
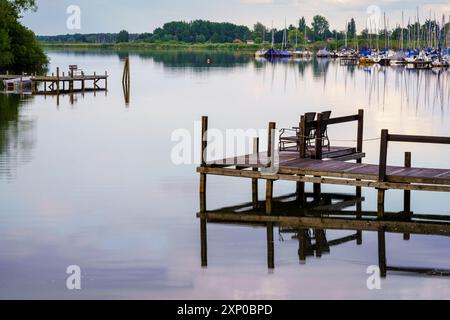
(208, 61)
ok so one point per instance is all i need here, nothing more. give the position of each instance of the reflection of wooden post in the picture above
(407, 196)
(204, 241)
(204, 145)
(382, 252)
(270, 156)
(302, 245)
(126, 82)
(255, 181)
(318, 236)
(270, 247)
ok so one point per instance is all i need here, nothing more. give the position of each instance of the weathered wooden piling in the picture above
(255, 196)
(270, 158)
(204, 145)
(318, 155)
(302, 154)
(382, 172)
(407, 195)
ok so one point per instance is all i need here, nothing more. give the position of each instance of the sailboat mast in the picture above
(273, 36)
(401, 33)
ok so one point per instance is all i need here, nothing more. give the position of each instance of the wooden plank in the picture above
(383, 155)
(419, 139)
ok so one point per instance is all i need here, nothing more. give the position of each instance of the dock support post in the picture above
(359, 146)
(255, 181)
(57, 80)
(407, 196)
(382, 252)
(106, 80)
(381, 198)
(382, 171)
(270, 154)
(204, 145)
(302, 150)
(318, 155)
(270, 247)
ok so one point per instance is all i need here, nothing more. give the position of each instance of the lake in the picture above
(90, 180)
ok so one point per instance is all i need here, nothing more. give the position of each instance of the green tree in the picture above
(123, 36)
(18, 45)
(320, 27)
(351, 29)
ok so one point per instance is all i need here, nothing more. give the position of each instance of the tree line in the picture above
(203, 31)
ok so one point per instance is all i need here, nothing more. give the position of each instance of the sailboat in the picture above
(323, 53)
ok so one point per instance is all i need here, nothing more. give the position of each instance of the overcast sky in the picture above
(145, 15)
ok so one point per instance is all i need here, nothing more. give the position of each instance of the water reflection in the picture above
(411, 88)
(17, 134)
(309, 224)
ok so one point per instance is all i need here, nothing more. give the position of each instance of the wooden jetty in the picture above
(321, 165)
(60, 83)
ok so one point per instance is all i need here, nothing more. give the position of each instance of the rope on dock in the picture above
(342, 140)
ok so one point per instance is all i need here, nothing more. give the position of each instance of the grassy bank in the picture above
(157, 46)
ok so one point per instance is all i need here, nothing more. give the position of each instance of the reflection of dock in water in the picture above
(309, 222)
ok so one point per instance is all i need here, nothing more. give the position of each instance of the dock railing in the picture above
(320, 125)
(383, 176)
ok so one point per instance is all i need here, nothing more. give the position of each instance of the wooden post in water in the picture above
(407, 196)
(270, 247)
(302, 153)
(126, 83)
(318, 155)
(255, 181)
(106, 80)
(382, 171)
(382, 252)
(270, 155)
(57, 80)
(204, 145)
(359, 146)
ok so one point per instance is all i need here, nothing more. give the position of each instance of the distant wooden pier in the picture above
(59, 83)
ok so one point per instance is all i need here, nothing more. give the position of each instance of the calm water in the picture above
(91, 182)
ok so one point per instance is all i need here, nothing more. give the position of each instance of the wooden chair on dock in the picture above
(324, 136)
(287, 137)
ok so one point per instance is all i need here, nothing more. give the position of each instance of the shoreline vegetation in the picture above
(240, 47)
(237, 47)
(19, 48)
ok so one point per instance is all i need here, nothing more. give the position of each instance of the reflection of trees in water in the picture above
(171, 58)
(16, 135)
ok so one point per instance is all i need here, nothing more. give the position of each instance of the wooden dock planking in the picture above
(290, 163)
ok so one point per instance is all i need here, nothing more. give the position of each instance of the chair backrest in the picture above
(310, 116)
(326, 115)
